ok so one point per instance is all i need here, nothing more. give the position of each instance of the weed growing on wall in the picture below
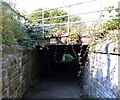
(106, 30)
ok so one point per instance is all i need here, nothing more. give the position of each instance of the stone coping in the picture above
(11, 49)
(108, 47)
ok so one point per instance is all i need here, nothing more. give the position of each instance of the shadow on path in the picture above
(58, 82)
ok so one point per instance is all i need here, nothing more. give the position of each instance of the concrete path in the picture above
(55, 84)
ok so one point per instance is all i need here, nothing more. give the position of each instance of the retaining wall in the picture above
(17, 72)
(101, 77)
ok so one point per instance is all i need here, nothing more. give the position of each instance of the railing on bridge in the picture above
(81, 25)
(56, 40)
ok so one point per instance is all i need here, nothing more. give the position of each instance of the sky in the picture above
(29, 5)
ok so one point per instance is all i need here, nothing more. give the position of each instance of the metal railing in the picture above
(68, 16)
(68, 24)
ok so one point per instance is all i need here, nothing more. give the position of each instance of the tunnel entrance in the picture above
(57, 72)
(53, 58)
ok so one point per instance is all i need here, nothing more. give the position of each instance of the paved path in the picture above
(56, 84)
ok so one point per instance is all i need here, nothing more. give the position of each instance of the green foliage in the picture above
(74, 18)
(12, 30)
(102, 30)
(57, 12)
(49, 14)
(53, 16)
(7, 26)
(108, 30)
(114, 22)
(37, 15)
(74, 36)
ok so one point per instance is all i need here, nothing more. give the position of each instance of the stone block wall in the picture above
(16, 71)
(0, 71)
(101, 73)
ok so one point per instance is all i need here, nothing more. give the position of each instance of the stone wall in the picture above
(17, 71)
(0, 71)
(101, 77)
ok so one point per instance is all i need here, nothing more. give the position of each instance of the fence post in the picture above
(119, 57)
(69, 19)
(43, 21)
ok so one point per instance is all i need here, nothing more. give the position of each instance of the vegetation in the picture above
(51, 17)
(114, 22)
(12, 30)
(102, 29)
(106, 30)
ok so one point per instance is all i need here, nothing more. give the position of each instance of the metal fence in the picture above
(67, 24)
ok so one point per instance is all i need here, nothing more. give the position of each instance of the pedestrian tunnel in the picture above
(58, 66)
(46, 69)
(61, 58)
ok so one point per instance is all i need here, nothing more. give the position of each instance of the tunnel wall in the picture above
(101, 71)
(17, 71)
(0, 71)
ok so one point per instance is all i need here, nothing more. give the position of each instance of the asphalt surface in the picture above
(58, 82)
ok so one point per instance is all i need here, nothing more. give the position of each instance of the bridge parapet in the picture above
(62, 40)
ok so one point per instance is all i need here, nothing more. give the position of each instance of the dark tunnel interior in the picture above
(51, 65)
(55, 77)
